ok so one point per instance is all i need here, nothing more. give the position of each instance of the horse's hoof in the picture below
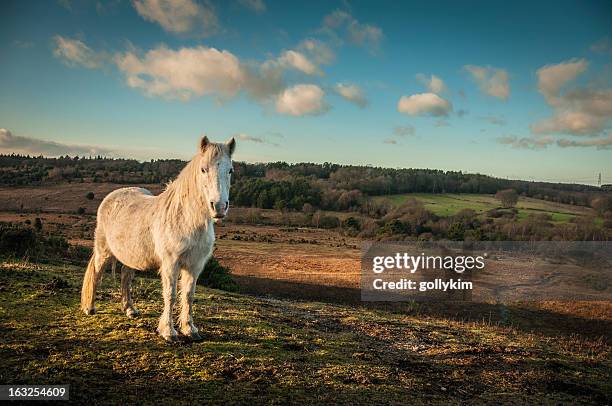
(195, 337)
(170, 338)
(89, 312)
(132, 313)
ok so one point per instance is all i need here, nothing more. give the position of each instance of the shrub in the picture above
(394, 227)
(456, 231)
(81, 210)
(217, 276)
(38, 224)
(507, 197)
(329, 222)
(351, 223)
(90, 195)
(18, 241)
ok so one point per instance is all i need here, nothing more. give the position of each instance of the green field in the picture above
(450, 204)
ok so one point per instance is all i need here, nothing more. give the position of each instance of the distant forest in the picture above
(287, 186)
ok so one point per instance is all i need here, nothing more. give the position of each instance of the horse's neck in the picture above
(183, 203)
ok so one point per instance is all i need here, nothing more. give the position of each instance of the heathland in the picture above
(295, 331)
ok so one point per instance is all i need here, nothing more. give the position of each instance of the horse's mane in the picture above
(183, 196)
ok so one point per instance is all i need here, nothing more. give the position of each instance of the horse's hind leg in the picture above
(127, 275)
(93, 274)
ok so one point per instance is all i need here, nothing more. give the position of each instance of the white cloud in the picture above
(306, 58)
(10, 143)
(301, 100)
(184, 73)
(258, 6)
(572, 122)
(424, 104)
(352, 93)
(179, 16)
(577, 111)
(341, 24)
(299, 61)
(433, 83)
(551, 78)
(74, 52)
(403, 131)
(492, 81)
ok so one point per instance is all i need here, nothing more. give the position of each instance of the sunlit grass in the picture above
(270, 351)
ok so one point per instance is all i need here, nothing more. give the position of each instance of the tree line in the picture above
(289, 186)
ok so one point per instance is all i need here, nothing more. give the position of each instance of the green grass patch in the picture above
(450, 204)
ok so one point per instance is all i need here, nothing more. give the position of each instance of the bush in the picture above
(351, 223)
(329, 222)
(508, 198)
(456, 231)
(81, 210)
(217, 276)
(18, 241)
(90, 195)
(394, 227)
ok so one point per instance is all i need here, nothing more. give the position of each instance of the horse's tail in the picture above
(89, 286)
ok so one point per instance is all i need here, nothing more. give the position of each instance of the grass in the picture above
(269, 351)
(450, 204)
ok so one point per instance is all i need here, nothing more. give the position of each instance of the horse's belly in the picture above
(196, 256)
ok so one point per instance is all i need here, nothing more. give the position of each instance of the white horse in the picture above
(172, 232)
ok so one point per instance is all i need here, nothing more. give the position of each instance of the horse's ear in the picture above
(204, 143)
(231, 144)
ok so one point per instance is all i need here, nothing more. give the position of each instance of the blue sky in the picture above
(520, 91)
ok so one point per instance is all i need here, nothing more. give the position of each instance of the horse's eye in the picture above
(231, 170)
(204, 170)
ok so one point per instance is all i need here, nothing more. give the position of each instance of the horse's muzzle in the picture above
(219, 209)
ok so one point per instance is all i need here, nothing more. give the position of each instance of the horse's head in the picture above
(215, 171)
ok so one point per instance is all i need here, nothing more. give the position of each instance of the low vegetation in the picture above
(269, 351)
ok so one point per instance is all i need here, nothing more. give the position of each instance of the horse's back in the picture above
(123, 220)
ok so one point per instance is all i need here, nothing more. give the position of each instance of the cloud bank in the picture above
(10, 143)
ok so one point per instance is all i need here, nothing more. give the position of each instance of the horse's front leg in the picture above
(169, 273)
(188, 286)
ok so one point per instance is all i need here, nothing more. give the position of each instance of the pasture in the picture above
(447, 204)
